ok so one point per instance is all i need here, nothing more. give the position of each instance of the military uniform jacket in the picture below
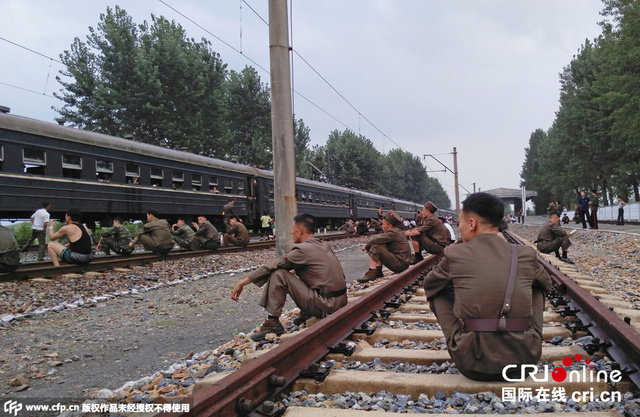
(158, 230)
(240, 232)
(435, 230)
(9, 249)
(314, 263)
(595, 202)
(208, 232)
(184, 233)
(395, 241)
(229, 211)
(120, 236)
(478, 271)
(548, 232)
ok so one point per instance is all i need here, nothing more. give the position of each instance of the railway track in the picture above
(384, 351)
(104, 263)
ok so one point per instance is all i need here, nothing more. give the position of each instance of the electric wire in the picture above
(30, 50)
(26, 89)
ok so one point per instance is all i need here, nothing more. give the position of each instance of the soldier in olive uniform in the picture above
(9, 251)
(182, 233)
(551, 238)
(237, 234)
(487, 327)
(116, 239)
(348, 227)
(318, 287)
(155, 235)
(390, 249)
(206, 237)
(375, 225)
(431, 236)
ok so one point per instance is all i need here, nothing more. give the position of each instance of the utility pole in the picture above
(455, 176)
(284, 167)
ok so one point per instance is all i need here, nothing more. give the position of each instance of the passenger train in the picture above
(106, 176)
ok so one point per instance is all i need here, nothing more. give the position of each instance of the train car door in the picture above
(251, 199)
(353, 207)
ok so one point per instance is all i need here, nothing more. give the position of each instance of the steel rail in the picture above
(243, 390)
(109, 262)
(602, 322)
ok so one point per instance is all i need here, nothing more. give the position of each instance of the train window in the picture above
(34, 161)
(71, 166)
(177, 178)
(241, 188)
(228, 185)
(1, 156)
(317, 198)
(156, 174)
(271, 191)
(104, 170)
(132, 172)
(303, 195)
(196, 182)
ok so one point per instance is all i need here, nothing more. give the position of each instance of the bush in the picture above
(22, 232)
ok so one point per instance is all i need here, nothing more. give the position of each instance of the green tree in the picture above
(150, 81)
(301, 139)
(353, 161)
(248, 100)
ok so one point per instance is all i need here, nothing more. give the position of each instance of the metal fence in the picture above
(610, 213)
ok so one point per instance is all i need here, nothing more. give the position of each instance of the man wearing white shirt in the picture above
(39, 220)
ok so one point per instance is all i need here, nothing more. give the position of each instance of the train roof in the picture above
(53, 130)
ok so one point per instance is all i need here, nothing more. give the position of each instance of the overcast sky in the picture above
(480, 76)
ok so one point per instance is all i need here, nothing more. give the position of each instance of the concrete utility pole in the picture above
(284, 167)
(455, 176)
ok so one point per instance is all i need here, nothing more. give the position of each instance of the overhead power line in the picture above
(31, 50)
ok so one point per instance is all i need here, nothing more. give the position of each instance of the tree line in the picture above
(594, 141)
(152, 83)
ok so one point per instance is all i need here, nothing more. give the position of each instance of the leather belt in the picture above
(494, 325)
(331, 294)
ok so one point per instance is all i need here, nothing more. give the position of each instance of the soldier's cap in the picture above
(430, 206)
(393, 218)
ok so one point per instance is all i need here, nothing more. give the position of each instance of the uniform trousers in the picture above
(200, 244)
(9, 261)
(230, 239)
(428, 245)
(281, 282)
(442, 307)
(593, 220)
(553, 245)
(380, 253)
(149, 244)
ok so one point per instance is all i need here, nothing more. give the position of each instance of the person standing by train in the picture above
(9, 251)
(266, 226)
(390, 249)
(206, 236)
(155, 235)
(317, 284)
(78, 250)
(117, 239)
(237, 234)
(488, 295)
(39, 221)
(228, 211)
(430, 236)
(182, 233)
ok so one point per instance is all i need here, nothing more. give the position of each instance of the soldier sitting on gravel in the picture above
(182, 233)
(390, 249)
(9, 251)
(318, 286)
(117, 239)
(155, 235)
(489, 312)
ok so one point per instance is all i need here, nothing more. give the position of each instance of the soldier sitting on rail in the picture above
(78, 250)
(390, 249)
(9, 251)
(237, 234)
(551, 238)
(182, 233)
(207, 236)
(155, 235)
(348, 227)
(375, 225)
(488, 295)
(117, 239)
(318, 287)
(431, 236)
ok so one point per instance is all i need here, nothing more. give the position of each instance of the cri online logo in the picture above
(559, 374)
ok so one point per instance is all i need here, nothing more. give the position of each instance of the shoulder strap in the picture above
(506, 305)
